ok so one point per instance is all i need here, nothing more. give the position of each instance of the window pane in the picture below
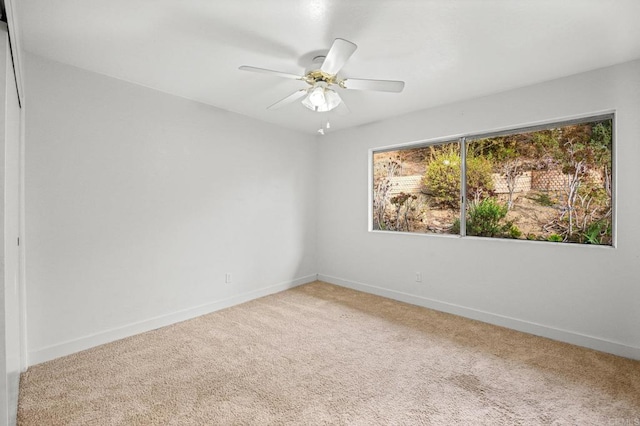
(417, 189)
(550, 185)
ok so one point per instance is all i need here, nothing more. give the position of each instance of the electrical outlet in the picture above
(418, 277)
(227, 277)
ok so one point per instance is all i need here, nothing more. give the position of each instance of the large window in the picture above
(551, 183)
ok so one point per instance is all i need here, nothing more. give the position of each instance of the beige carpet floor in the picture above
(321, 354)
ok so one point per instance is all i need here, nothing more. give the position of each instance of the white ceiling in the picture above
(445, 50)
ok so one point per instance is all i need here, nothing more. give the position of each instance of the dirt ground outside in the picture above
(526, 213)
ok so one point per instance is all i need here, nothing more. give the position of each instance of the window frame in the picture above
(464, 139)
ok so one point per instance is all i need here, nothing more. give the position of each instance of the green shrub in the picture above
(479, 179)
(514, 232)
(442, 178)
(597, 232)
(455, 228)
(555, 238)
(486, 219)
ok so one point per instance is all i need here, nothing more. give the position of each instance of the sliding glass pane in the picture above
(417, 189)
(551, 185)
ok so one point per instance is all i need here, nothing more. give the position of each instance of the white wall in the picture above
(10, 312)
(584, 295)
(138, 203)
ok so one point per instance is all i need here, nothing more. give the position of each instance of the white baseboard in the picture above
(488, 317)
(72, 346)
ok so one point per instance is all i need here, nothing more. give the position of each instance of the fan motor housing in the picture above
(314, 75)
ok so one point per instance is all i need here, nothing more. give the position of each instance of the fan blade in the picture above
(266, 71)
(341, 50)
(292, 97)
(378, 85)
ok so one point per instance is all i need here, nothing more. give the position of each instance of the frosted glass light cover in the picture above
(317, 96)
(331, 100)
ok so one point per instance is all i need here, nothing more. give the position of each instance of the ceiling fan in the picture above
(322, 75)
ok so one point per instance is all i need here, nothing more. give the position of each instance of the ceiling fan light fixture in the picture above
(330, 99)
(308, 104)
(322, 74)
(317, 96)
